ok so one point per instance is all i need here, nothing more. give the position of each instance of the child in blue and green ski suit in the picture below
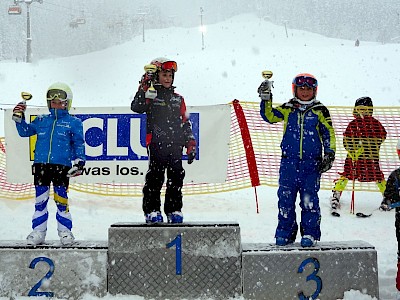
(308, 149)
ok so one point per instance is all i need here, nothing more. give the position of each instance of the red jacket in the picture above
(363, 135)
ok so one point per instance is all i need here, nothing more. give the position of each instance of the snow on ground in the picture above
(236, 51)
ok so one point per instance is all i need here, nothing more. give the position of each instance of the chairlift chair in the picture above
(14, 10)
(80, 20)
(119, 23)
(73, 24)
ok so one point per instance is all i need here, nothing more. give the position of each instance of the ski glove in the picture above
(191, 150)
(327, 162)
(77, 168)
(264, 91)
(19, 112)
(385, 205)
(145, 82)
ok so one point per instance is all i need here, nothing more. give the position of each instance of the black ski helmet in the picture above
(364, 101)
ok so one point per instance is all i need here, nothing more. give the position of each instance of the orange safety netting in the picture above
(265, 141)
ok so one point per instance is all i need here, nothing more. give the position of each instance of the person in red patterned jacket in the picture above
(168, 130)
(362, 139)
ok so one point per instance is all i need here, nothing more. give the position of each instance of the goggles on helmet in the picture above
(305, 80)
(57, 94)
(169, 65)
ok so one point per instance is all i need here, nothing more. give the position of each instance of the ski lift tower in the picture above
(28, 27)
(202, 28)
(142, 17)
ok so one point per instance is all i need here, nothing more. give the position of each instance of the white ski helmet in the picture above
(61, 91)
(163, 63)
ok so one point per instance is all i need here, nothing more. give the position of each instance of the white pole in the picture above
(201, 28)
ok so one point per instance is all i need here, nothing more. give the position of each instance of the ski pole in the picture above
(354, 162)
(353, 188)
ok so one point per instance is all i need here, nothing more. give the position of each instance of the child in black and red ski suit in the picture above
(168, 130)
(390, 196)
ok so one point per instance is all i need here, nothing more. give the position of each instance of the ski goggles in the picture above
(169, 65)
(57, 94)
(305, 80)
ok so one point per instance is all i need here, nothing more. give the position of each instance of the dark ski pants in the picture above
(397, 225)
(303, 177)
(43, 176)
(163, 157)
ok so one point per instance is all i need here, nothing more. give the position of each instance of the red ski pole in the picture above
(352, 194)
(353, 164)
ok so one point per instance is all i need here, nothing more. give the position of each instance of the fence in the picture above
(254, 156)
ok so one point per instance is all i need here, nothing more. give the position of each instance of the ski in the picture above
(335, 213)
(362, 215)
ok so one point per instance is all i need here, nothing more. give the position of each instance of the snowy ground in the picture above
(229, 68)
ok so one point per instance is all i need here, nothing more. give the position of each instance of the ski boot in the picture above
(66, 237)
(335, 205)
(308, 241)
(36, 237)
(175, 217)
(154, 217)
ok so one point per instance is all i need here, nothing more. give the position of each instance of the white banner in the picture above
(115, 145)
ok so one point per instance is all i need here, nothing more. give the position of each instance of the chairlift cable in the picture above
(48, 2)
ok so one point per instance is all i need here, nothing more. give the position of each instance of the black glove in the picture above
(77, 168)
(145, 82)
(191, 150)
(385, 205)
(327, 162)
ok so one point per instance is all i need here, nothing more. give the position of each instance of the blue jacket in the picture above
(59, 137)
(308, 132)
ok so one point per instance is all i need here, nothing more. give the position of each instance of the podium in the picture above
(322, 272)
(53, 270)
(188, 260)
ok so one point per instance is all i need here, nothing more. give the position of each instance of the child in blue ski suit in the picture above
(308, 149)
(59, 142)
